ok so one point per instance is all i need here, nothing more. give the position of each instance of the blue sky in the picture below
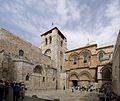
(78, 20)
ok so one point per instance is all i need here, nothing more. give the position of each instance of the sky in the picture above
(81, 21)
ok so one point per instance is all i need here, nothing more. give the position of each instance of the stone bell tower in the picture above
(54, 45)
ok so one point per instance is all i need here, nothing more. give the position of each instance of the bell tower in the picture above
(54, 45)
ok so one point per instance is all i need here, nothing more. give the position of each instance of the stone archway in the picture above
(38, 69)
(85, 77)
(38, 77)
(48, 52)
(73, 79)
(106, 73)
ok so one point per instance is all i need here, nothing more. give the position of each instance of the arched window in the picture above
(85, 57)
(50, 39)
(61, 43)
(101, 54)
(43, 79)
(106, 74)
(21, 53)
(38, 69)
(46, 41)
(61, 57)
(60, 67)
(48, 52)
(75, 60)
(27, 77)
(53, 78)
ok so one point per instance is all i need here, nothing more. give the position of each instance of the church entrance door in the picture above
(75, 83)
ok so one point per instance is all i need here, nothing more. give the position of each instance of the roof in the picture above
(82, 48)
(50, 31)
(108, 46)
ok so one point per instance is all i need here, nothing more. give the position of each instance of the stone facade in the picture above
(52, 66)
(54, 45)
(88, 64)
(116, 67)
(21, 61)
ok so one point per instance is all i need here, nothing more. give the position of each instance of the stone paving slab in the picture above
(65, 95)
(27, 98)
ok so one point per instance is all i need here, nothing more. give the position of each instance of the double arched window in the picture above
(73, 58)
(85, 57)
(48, 40)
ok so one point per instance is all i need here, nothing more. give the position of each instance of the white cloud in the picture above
(107, 34)
(78, 38)
(67, 10)
(113, 8)
(78, 21)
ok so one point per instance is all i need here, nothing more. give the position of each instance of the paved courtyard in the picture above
(65, 95)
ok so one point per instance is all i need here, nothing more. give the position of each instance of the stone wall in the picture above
(116, 67)
(21, 66)
(55, 49)
(13, 44)
(89, 68)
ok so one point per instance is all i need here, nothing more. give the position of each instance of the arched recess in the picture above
(85, 50)
(38, 69)
(100, 55)
(85, 76)
(74, 58)
(73, 79)
(48, 52)
(73, 54)
(106, 73)
(21, 53)
(85, 55)
(73, 76)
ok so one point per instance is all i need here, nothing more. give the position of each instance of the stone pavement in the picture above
(64, 95)
(28, 98)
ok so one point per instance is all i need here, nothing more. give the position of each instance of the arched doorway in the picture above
(38, 78)
(75, 83)
(106, 74)
(85, 78)
(38, 69)
(73, 80)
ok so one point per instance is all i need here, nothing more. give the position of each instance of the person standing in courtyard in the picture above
(22, 91)
(10, 92)
(16, 91)
(72, 88)
(1, 90)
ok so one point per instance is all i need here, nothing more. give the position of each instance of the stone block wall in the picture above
(20, 66)
(116, 67)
